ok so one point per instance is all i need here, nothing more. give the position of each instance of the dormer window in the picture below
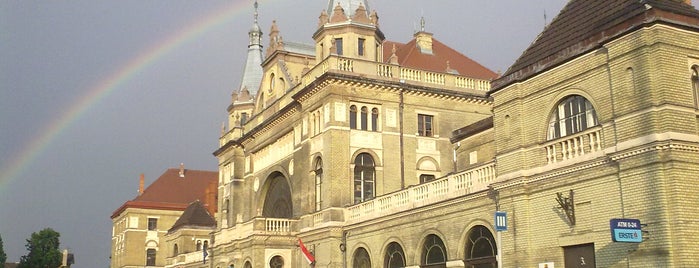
(572, 115)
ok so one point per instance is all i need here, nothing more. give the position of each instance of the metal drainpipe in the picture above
(402, 153)
(343, 248)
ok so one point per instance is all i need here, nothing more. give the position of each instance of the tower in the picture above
(348, 29)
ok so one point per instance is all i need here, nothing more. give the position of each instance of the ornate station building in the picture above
(357, 151)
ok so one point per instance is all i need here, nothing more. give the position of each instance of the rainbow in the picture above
(20, 161)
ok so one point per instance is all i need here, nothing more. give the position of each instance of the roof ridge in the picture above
(583, 25)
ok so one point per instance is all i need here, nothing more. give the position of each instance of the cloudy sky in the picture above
(94, 93)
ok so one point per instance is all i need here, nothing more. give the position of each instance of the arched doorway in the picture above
(395, 257)
(434, 253)
(480, 248)
(361, 259)
(278, 198)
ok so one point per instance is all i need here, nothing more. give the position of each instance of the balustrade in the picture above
(573, 146)
(454, 185)
(278, 225)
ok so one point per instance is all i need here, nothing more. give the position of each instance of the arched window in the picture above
(276, 262)
(282, 83)
(361, 259)
(394, 257)
(261, 101)
(364, 118)
(277, 203)
(247, 264)
(319, 183)
(434, 253)
(427, 168)
(695, 85)
(198, 248)
(480, 248)
(271, 82)
(572, 115)
(206, 245)
(375, 119)
(353, 117)
(175, 250)
(364, 176)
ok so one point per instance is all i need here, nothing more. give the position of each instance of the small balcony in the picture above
(185, 258)
(261, 226)
(576, 146)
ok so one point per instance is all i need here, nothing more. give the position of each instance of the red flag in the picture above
(306, 253)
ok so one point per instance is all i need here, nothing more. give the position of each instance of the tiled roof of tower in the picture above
(442, 56)
(172, 192)
(583, 25)
(194, 216)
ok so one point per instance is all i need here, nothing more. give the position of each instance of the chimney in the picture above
(181, 170)
(423, 39)
(211, 198)
(140, 184)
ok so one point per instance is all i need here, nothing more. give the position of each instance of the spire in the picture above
(252, 72)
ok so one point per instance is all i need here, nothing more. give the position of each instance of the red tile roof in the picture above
(172, 192)
(583, 25)
(409, 55)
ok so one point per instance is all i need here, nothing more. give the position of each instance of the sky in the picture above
(94, 93)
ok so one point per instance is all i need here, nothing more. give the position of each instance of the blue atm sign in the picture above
(626, 230)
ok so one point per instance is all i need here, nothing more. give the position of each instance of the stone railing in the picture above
(184, 259)
(455, 185)
(278, 225)
(329, 217)
(259, 226)
(395, 72)
(574, 146)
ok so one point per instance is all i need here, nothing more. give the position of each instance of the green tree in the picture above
(43, 250)
(3, 256)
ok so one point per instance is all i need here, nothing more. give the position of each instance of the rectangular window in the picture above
(360, 46)
(319, 184)
(424, 125)
(243, 118)
(426, 178)
(152, 224)
(338, 46)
